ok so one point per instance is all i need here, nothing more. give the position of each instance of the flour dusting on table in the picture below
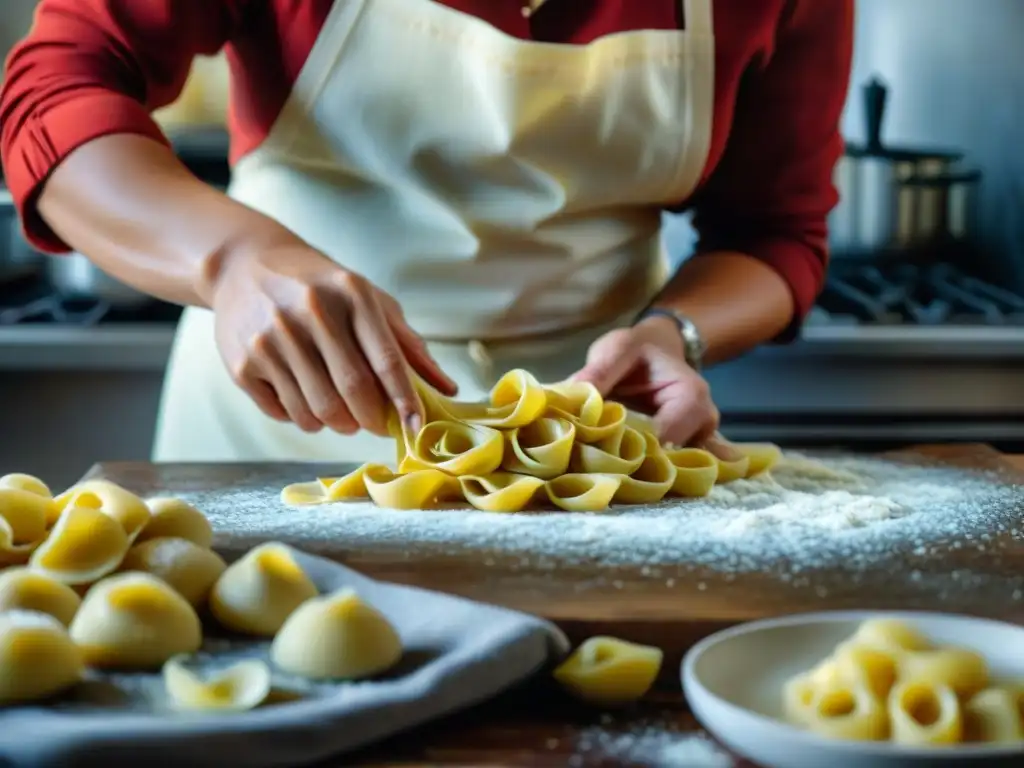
(809, 512)
(648, 743)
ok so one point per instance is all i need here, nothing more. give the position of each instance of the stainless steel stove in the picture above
(896, 353)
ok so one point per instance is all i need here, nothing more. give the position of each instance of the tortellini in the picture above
(27, 590)
(560, 445)
(37, 657)
(337, 636)
(188, 568)
(257, 593)
(24, 518)
(134, 621)
(890, 682)
(607, 671)
(113, 500)
(84, 546)
(242, 686)
(176, 519)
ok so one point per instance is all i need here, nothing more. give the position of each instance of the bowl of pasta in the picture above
(863, 689)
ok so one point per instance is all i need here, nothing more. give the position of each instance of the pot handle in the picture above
(875, 95)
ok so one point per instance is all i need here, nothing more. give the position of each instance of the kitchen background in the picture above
(919, 336)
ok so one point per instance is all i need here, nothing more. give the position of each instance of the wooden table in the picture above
(538, 725)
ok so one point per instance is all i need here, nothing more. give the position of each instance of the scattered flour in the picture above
(809, 512)
(649, 744)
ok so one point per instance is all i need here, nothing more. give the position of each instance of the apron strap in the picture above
(698, 17)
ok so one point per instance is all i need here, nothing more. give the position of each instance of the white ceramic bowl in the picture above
(733, 682)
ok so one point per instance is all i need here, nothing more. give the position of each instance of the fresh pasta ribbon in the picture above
(730, 471)
(651, 480)
(621, 453)
(583, 493)
(453, 448)
(696, 471)
(527, 441)
(581, 404)
(419, 489)
(541, 449)
(761, 457)
(515, 401)
(500, 491)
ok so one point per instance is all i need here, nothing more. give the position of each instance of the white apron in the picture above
(507, 193)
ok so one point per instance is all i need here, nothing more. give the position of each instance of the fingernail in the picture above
(414, 422)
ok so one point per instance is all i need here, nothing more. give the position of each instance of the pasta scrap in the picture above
(606, 670)
(242, 686)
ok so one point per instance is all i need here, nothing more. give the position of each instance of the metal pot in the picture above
(75, 277)
(872, 180)
(934, 208)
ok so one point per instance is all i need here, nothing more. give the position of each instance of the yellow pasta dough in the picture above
(958, 668)
(588, 451)
(242, 686)
(515, 401)
(996, 715)
(696, 471)
(22, 482)
(134, 621)
(11, 553)
(84, 546)
(26, 514)
(37, 657)
(583, 493)
(113, 500)
(336, 636)
(27, 590)
(651, 480)
(258, 592)
(581, 404)
(890, 635)
(928, 695)
(606, 670)
(619, 454)
(541, 449)
(761, 457)
(174, 518)
(730, 471)
(453, 448)
(500, 491)
(848, 711)
(189, 569)
(924, 712)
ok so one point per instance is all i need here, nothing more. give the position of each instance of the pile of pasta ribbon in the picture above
(561, 442)
(889, 682)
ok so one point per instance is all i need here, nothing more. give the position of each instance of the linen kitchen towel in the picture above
(457, 653)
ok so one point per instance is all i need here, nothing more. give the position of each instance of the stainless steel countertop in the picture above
(142, 347)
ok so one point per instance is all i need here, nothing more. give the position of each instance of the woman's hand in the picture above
(315, 344)
(645, 368)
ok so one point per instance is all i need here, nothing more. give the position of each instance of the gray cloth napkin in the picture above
(458, 653)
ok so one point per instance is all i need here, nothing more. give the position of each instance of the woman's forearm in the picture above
(737, 302)
(131, 206)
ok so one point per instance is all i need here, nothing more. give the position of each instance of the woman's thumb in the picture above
(609, 360)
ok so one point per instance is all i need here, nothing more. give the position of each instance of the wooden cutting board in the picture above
(671, 606)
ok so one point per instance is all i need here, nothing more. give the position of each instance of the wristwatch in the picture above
(694, 346)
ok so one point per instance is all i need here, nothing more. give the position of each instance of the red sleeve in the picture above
(772, 192)
(90, 68)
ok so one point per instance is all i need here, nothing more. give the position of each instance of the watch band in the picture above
(694, 346)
